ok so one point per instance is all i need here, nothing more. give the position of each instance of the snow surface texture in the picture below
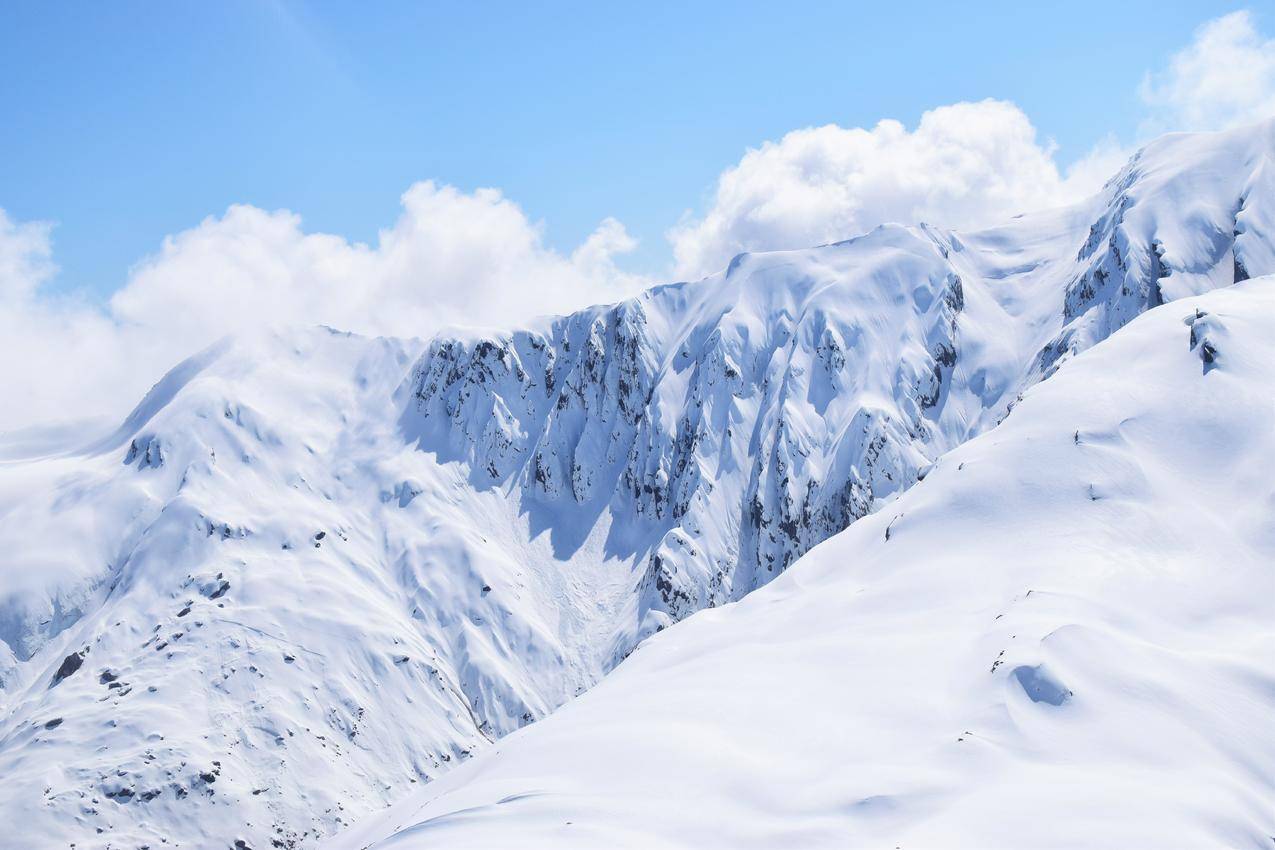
(313, 570)
(1062, 637)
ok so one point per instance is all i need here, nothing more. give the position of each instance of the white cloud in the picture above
(450, 258)
(49, 347)
(966, 165)
(458, 258)
(26, 258)
(1225, 77)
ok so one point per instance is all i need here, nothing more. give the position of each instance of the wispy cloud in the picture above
(1224, 78)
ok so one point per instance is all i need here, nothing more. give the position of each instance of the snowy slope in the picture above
(344, 565)
(281, 612)
(1062, 637)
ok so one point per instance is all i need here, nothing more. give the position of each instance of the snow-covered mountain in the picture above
(1062, 637)
(729, 425)
(313, 570)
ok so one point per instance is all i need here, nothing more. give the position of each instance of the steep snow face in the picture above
(312, 570)
(1060, 638)
(728, 426)
(721, 428)
(1170, 229)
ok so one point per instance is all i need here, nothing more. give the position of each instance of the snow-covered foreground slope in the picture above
(1063, 637)
(313, 570)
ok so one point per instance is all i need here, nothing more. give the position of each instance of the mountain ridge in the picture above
(505, 516)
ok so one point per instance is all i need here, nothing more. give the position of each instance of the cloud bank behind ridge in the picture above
(455, 257)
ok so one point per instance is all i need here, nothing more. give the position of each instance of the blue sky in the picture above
(127, 122)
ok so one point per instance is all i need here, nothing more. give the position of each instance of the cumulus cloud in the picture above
(965, 165)
(456, 257)
(451, 258)
(1224, 78)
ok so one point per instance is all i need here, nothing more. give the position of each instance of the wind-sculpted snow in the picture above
(1187, 214)
(724, 427)
(1060, 638)
(728, 426)
(312, 570)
